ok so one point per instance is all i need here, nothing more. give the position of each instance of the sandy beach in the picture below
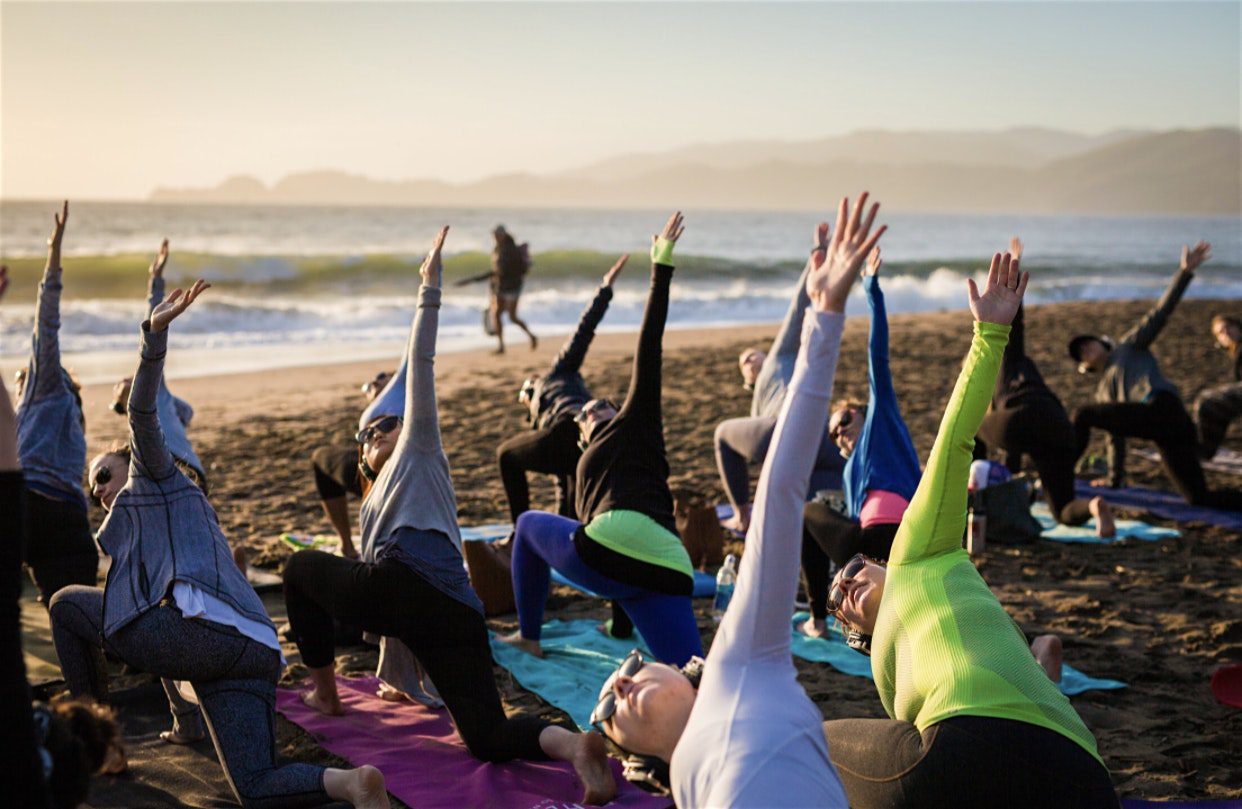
(1159, 615)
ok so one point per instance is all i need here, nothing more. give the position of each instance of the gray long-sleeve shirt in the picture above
(778, 366)
(174, 413)
(754, 738)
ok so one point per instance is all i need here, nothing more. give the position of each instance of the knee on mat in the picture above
(61, 600)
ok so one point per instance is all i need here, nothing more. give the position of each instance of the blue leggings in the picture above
(543, 541)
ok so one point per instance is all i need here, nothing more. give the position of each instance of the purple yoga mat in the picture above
(425, 762)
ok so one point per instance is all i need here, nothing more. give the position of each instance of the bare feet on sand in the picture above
(1047, 651)
(115, 761)
(814, 628)
(426, 697)
(590, 762)
(514, 638)
(177, 737)
(739, 523)
(1105, 525)
(328, 706)
(362, 788)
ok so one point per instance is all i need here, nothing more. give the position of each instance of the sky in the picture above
(107, 100)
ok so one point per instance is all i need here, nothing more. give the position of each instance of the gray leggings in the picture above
(741, 442)
(1214, 409)
(234, 678)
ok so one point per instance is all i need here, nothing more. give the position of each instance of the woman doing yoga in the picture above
(175, 605)
(626, 546)
(411, 583)
(1216, 407)
(749, 736)
(975, 720)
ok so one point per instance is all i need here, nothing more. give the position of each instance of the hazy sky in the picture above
(108, 100)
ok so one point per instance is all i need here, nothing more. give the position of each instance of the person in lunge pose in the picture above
(1216, 407)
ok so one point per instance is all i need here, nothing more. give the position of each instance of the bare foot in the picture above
(534, 342)
(1047, 651)
(590, 761)
(531, 647)
(114, 762)
(177, 737)
(389, 694)
(326, 706)
(738, 523)
(1105, 525)
(362, 788)
(814, 628)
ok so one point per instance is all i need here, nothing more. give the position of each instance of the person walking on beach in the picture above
(510, 264)
(1216, 407)
(411, 584)
(1133, 398)
(51, 441)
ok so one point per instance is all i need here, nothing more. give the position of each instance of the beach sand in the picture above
(1160, 616)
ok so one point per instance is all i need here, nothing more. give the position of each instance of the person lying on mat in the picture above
(51, 440)
(1027, 418)
(553, 400)
(410, 583)
(1133, 398)
(746, 734)
(974, 718)
(1216, 407)
(626, 546)
(880, 474)
(175, 605)
(175, 414)
(743, 441)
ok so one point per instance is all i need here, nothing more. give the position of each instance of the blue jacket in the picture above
(884, 457)
(175, 414)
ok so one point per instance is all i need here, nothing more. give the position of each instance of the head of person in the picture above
(593, 415)
(500, 234)
(108, 473)
(845, 425)
(19, 382)
(74, 738)
(854, 599)
(1227, 331)
(749, 362)
(643, 709)
(527, 392)
(1090, 352)
(120, 395)
(376, 442)
(374, 387)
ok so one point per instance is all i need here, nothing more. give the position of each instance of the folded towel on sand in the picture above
(425, 763)
(1126, 529)
(1164, 504)
(833, 651)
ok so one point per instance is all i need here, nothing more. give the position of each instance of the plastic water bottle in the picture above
(977, 525)
(725, 581)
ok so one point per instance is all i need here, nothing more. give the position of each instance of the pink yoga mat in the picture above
(426, 764)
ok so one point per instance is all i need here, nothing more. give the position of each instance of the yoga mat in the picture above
(724, 511)
(1225, 460)
(704, 585)
(1227, 685)
(1165, 504)
(577, 659)
(1135, 803)
(485, 533)
(1126, 529)
(833, 651)
(425, 763)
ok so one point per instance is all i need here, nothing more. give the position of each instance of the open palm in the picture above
(828, 284)
(1002, 292)
(433, 267)
(177, 302)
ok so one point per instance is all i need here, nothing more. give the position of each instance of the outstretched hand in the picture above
(1192, 257)
(874, 261)
(4, 279)
(176, 303)
(662, 245)
(433, 267)
(58, 235)
(615, 270)
(1015, 248)
(1002, 295)
(828, 284)
(161, 258)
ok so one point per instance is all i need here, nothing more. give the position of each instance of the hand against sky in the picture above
(828, 284)
(615, 269)
(161, 258)
(1192, 257)
(433, 267)
(176, 303)
(1002, 293)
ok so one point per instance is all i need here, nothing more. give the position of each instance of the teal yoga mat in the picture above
(1126, 529)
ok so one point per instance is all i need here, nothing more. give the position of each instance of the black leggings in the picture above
(551, 451)
(964, 762)
(827, 536)
(1163, 420)
(336, 472)
(59, 549)
(449, 639)
(1038, 427)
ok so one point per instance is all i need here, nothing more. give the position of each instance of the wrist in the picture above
(662, 251)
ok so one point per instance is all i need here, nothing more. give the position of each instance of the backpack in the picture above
(1008, 509)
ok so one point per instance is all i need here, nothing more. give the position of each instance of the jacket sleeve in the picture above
(421, 429)
(155, 292)
(790, 335)
(44, 377)
(574, 352)
(642, 402)
(151, 457)
(1149, 328)
(936, 519)
(879, 375)
(185, 413)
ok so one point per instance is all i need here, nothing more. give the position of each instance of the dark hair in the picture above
(80, 732)
(651, 773)
(1076, 345)
(122, 448)
(1229, 320)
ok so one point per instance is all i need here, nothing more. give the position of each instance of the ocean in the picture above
(298, 285)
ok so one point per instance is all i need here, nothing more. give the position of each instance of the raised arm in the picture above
(1149, 328)
(878, 373)
(155, 281)
(572, 355)
(1016, 349)
(43, 377)
(790, 334)
(757, 622)
(421, 429)
(151, 457)
(9, 459)
(643, 398)
(936, 518)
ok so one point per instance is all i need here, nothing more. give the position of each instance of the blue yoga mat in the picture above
(833, 651)
(1166, 504)
(1126, 529)
(578, 658)
(485, 533)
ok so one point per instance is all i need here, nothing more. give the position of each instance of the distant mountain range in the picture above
(1027, 170)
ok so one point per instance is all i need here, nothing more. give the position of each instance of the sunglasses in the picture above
(103, 476)
(836, 596)
(384, 425)
(607, 705)
(847, 417)
(591, 408)
(527, 392)
(377, 383)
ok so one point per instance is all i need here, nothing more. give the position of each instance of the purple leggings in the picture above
(543, 541)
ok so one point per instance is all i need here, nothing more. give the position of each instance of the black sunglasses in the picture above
(377, 383)
(607, 705)
(103, 476)
(847, 416)
(591, 407)
(384, 425)
(852, 568)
